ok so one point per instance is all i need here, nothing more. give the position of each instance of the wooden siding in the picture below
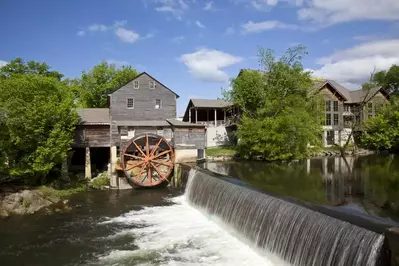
(186, 138)
(91, 136)
(144, 102)
(329, 95)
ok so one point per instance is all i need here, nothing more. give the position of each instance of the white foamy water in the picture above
(178, 235)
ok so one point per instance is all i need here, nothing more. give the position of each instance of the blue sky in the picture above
(195, 46)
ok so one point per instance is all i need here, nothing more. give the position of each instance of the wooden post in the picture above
(196, 115)
(189, 115)
(216, 117)
(88, 164)
(224, 116)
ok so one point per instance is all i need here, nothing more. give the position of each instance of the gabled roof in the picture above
(206, 103)
(93, 116)
(349, 96)
(177, 96)
(210, 103)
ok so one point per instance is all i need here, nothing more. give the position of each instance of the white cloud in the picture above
(175, 7)
(148, 36)
(200, 25)
(128, 36)
(328, 12)
(3, 63)
(207, 64)
(229, 31)
(178, 39)
(81, 33)
(209, 6)
(353, 66)
(97, 27)
(267, 4)
(256, 27)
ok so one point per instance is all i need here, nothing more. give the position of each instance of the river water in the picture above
(144, 227)
(160, 227)
(368, 185)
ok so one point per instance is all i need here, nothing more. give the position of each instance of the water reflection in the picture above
(367, 184)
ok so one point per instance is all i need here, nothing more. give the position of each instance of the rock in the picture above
(65, 202)
(25, 202)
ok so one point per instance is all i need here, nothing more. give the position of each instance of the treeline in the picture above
(38, 115)
(282, 114)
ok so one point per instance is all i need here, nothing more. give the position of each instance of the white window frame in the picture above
(160, 104)
(136, 84)
(127, 103)
(152, 83)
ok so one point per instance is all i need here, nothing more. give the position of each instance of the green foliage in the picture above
(38, 120)
(221, 151)
(388, 79)
(93, 87)
(100, 182)
(382, 131)
(18, 67)
(50, 191)
(281, 114)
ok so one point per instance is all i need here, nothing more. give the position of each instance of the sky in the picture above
(195, 47)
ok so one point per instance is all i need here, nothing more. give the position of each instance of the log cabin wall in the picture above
(188, 138)
(92, 136)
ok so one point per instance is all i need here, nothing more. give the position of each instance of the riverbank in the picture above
(223, 154)
(23, 200)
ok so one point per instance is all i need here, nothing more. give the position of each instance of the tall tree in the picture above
(38, 119)
(20, 67)
(281, 113)
(388, 79)
(95, 85)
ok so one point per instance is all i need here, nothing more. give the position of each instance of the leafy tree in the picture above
(38, 120)
(382, 131)
(388, 79)
(281, 114)
(94, 86)
(19, 67)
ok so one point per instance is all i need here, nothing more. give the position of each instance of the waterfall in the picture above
(296, 234)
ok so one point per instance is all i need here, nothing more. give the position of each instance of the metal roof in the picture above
(145, 123)
(210, 103)
(178, 123)
(93, 116)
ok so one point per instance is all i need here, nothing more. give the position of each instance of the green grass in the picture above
(221, 151)
(61, 193)
(100, 182)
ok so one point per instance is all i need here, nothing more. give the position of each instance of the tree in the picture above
(382, 131)
(19, 67)
(388, 79)
(281, 113)
(94, 86)
(38, 120)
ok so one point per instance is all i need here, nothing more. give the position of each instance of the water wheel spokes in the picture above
(147, 160)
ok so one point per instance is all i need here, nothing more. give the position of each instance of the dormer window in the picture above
(130, 103)
(152, 85)
(158, 104)
(136, 84)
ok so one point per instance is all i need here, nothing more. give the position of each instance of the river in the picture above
(160, 227)
(143, 227)
(366, 184)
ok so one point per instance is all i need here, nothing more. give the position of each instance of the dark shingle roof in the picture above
(93, 116)
(210, 103)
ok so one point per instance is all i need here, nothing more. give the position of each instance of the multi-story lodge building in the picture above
(345, 110)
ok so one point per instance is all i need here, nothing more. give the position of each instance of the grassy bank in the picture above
(221, 151)
(61, 193)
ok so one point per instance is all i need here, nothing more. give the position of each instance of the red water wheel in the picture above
(147, 160)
